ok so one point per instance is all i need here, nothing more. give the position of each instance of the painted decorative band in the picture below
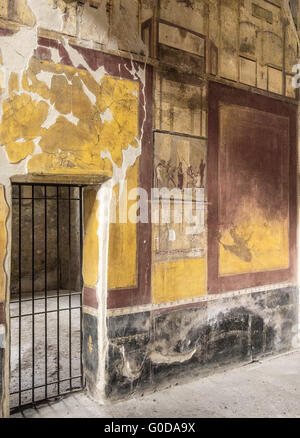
(90, 297)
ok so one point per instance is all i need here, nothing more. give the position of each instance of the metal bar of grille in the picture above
(51, 197)
(62, 309)
(81, 285)
(20, 295)
(70, 297)
(32, 286)
(50, 383)
(35, 405)
(58, 283)
(53, 235)
(48, 184)
(49, 296)
(46, 293)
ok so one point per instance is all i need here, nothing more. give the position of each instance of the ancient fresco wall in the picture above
(69, 117)
(249, 43)
(153, 349)
(60, 120)
(61, 116)
(179, 163)
(76, 101)
(240, 46)
(123, 244)
(69, 112)
(252, 226)
(253, 44)
(254, 230)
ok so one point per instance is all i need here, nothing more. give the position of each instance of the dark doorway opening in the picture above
(46, 292)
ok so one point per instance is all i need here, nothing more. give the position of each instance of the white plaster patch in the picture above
(127, 370)
(94, 24)
(34, 96)
(89, 94)
(172, 235)
(10, 169)
(45, 77)
(106, 116)
(16, 52)
(18, 48)
(53, 114)
(72, 118)
(55, 56)
(37, 149)
(46, 16)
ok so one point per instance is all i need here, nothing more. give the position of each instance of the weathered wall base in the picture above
(90, 350)
(151, 350)
(1, 365)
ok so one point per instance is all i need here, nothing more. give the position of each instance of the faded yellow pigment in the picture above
(3, 241)
(23, 13)
(265, 246)
(91, 118)
(86, 124)
(122, 254)
(21, 124)
(178, 280)
(91, 241)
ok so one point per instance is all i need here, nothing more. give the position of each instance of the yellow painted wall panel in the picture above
(253, 191)
(3, 241)
(178, 280)
(91, 241)
(3, 8)
(122, 254)
(266, 246)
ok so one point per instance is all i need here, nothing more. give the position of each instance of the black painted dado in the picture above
(1, 365)
(149, 350)
(127, 325)
(90, 347)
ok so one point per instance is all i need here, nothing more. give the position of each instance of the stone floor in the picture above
(270, 388)
(43, 367)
